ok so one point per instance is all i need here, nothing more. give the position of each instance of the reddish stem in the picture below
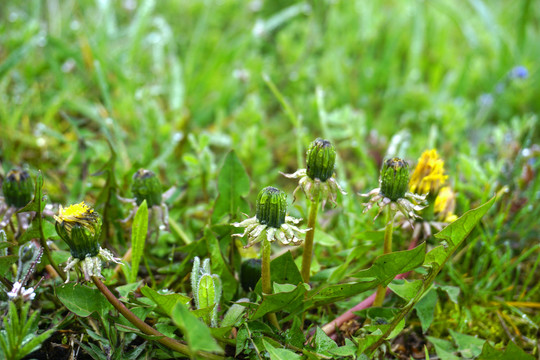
(331, 327)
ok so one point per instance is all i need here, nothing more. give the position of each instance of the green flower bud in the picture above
(80, 227)
(321, 157)
(18, 188)
(146, 186)
(250, 273)
(394, 178)
(271, 207)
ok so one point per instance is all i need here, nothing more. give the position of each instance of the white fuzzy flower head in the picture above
(318, 178)
(271, 220)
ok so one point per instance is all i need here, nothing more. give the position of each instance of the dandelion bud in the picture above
(394, 178)
(321, 157)
(18, 188)
(146, 186)
(80, 227)
(271, 207)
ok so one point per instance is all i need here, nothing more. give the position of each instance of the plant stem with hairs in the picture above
(388, 231)
(145, 328)
(265, 277)
(308, 242)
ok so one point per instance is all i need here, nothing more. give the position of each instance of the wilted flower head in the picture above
(146, 186)
(271, 219)
(317, 179)
(392, 190)
(80, 227)
(17, 188)
(428, 176)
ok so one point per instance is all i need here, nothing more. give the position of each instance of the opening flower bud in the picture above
(321, 157)
(80, 227)
(146, 186)
(271, 207)
(18, 188)
(394, 179)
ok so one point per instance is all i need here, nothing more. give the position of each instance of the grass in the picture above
(172, 86)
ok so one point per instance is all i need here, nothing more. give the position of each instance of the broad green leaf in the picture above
(468, 346)
(406, 290)
(512, 352)
(32, 232)
(452, 291)
(347, 350)
(82, 300)
(6, 262)
(280, 354)
(425, 309)
(233, 186)
(281, 301)
(445, 349)
(386, 267)
(125, 290)
(165, 302)
(196, 333)
(234, 314)
(333, 293)
(139, 230)
(323, 342)
(283, 271)
(454, 234)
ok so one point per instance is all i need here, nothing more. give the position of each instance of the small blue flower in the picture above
(518, 72)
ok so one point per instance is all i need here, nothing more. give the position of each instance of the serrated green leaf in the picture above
(197, 334)
(386, 267)
(165, 302)
(280, 354)
(406, 290)
(425, 309)
(82, 300)
(445, 349)
(233, 186)
(139, 230)
(468, 346)
(455, 233)
(512, 352)
(323, 342)
(281, 301)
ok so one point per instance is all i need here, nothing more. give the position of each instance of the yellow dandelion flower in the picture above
(444, 206)
(428, 176)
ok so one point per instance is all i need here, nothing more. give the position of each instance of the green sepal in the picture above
(18, 188)
(394, 178)
(81, 241)
(320, 160)
(271, 207)
(146, 186)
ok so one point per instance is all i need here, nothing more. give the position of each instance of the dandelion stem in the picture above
(388, 231)
(145, 328)
(308, 242)
(265, 277)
